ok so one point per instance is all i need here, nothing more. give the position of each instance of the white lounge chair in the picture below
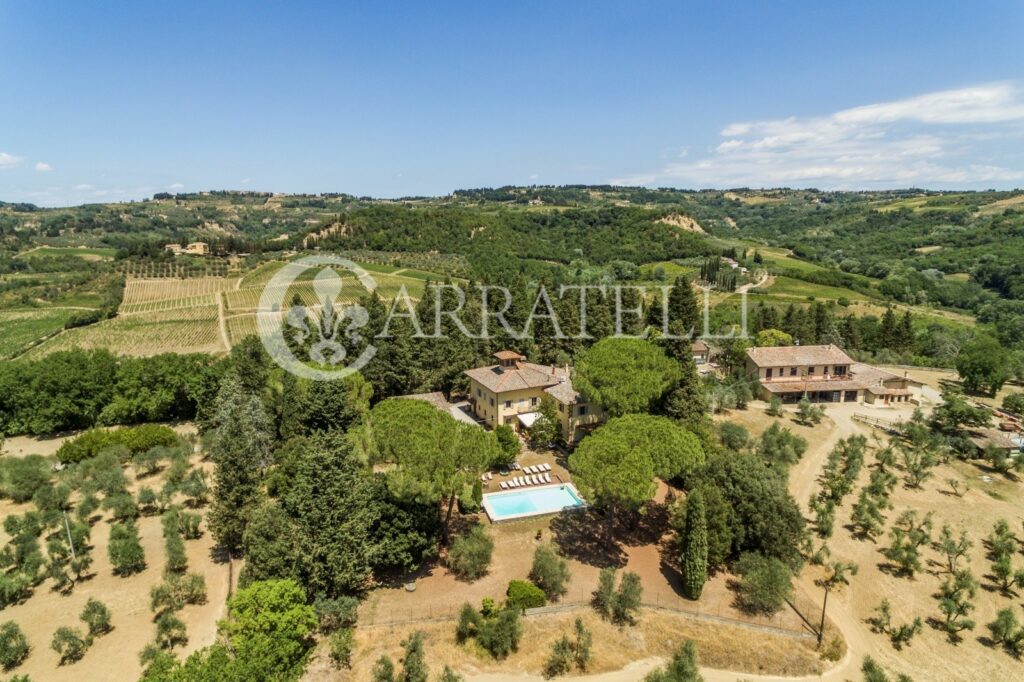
(504, 485)
(531, 470)
(547, 478)
(529, 480)
(520, 482)
(490, 476)
(545, 467)
(536, 479)
(514, 482)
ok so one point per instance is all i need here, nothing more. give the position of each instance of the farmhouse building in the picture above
(510, 392)
(823, 374)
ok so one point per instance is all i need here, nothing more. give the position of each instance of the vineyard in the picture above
(180, 268)
(181, 330)
(22, 328)
(139, 291)
(184, 314)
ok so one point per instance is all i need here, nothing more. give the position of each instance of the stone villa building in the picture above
(823, 374)
(510, 392)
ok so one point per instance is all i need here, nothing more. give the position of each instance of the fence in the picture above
(796, 621)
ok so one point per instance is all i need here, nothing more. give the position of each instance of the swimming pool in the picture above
(517, 504)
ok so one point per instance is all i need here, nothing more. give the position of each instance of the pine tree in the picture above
(695, 546)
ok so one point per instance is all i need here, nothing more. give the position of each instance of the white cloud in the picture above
(950, 136)
(83, 187)
(43, 167)
(9, 160)
(245, 181)
(176, 186)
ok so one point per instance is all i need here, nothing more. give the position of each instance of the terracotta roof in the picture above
(699, 346)
(524, 375)
(788, 356)
(860, 376)
(563, 392)
(508, 355)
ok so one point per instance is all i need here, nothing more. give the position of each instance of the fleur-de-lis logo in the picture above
(328, 322)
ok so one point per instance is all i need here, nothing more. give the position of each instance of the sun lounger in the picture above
(547, 478)
(545, 467)
(531, 470)
(490, 476)
(519, 482)
(536, 479)
(503, 485)
(514, 482)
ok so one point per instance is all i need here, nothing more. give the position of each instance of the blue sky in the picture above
(106, 101)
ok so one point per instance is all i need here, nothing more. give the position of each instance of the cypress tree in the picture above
(695, 546)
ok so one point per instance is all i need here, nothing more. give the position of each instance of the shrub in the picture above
(500, 635)
(733, 436)
(383, 670)
(622, 605)
(682, 667)
(195, 489)
(342, 644)
(121, 506)
(69, 644)
(470, 554)
(508, 445)
(125, 550)
(561, 658)
(414, 666)
(170, 631)
(96, 617)
(523, 595)
(1014, 402)
(550, 572)
(176, 591)
(177, 562)
(190, 525)
(628, 599)
(604, 595)
(765, 583)
(13, 645)
(336, 613)
(133, 439)
(21, 477)
(774, 407)
(469, 623)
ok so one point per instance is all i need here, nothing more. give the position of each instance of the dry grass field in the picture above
(931, 655)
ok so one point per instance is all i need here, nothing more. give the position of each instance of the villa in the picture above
(823, 374)
(510, 392)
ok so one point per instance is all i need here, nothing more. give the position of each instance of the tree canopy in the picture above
(623, 375)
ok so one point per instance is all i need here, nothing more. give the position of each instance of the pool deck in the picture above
(525, 515)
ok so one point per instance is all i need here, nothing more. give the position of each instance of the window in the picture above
(561, 407)
(768, 373)
(840, 370)
(792, 371)
(810, 370)
(479, 393)
(533, 402)
(582, 410)
(492, 402)
(508, 404)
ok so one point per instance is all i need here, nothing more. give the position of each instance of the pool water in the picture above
(514, 504)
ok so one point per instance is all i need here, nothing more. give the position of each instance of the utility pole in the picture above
(821, 627)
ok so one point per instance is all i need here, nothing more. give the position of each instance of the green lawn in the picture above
(23, 327)
(797, 288)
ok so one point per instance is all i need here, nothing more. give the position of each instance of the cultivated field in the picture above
(181, 330)
(22, 328)
(930, 655)
(115, 654)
